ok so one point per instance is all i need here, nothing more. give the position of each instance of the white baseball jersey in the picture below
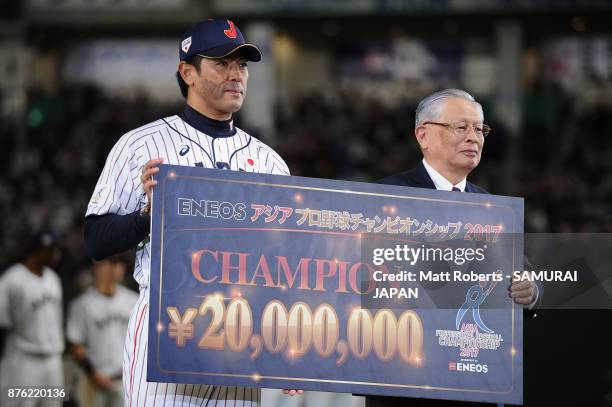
(31, 309)
(119, 191)
(99, 323)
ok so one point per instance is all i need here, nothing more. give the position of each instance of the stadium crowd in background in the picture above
(564, 161)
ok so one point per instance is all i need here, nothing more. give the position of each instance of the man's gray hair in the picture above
(429, 108)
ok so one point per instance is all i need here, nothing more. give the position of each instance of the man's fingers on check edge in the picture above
(527, 293)
(146, 174)
(148, 186)
(151, 165)
(522, 294)
(153, 162)
(520, 285)
(523, 300)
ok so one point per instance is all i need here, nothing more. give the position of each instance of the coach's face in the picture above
(448, 149)
(219, 89)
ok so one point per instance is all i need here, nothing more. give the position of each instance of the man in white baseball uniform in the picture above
(31, 312)
(96, 327)
(212, 74)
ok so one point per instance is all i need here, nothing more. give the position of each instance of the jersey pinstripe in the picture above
(120, 191)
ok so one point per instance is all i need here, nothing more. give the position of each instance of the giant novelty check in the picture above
(270, 281)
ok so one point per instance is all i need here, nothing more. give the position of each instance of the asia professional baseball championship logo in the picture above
(471, 335)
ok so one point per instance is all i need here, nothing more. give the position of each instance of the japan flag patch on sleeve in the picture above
(250, 163)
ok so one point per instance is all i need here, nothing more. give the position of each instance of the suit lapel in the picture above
(418, 177)
(421, 178)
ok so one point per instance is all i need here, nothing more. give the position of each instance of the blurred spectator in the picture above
(338, 133)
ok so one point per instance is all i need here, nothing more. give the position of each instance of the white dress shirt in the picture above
(442, 183)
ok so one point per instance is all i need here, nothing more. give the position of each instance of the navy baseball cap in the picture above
(216, 38)
(44, 239)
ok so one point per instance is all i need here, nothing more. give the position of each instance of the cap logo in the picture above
(231, 32)
(186, 44)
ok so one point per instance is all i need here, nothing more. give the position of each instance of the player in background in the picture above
(212, 75)
(95, 329)
(31, 312)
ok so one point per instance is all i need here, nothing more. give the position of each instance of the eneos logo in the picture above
(468, 367)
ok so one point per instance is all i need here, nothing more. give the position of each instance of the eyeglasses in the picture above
(462, 129)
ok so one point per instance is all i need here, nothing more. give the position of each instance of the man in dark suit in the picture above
(451, 134)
